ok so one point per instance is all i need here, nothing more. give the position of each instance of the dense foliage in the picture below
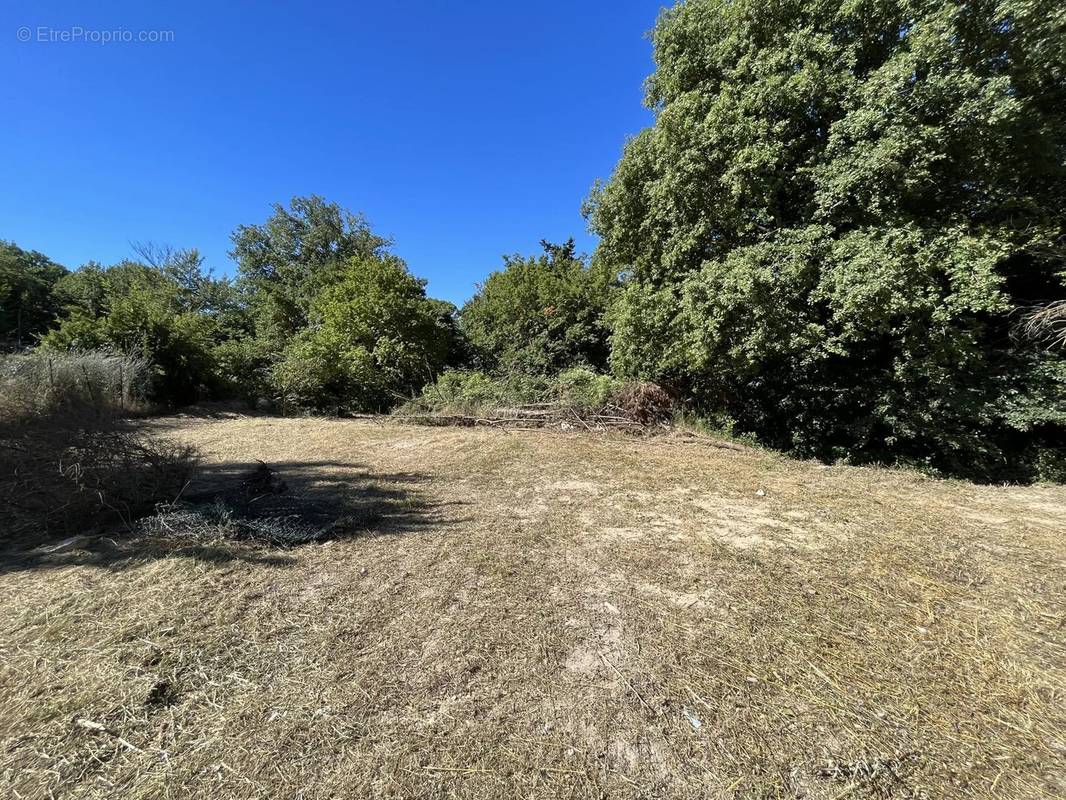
(540, 314)
(298, 252)
(339, 322)
(28, 304)
(172, 315)
(476, 392)
(322, 315)
(375, 338)
(838, 213)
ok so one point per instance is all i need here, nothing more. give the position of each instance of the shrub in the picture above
(583, 389)
(244, 369)
(72, 473)
(540, 315)
(472, 392)
(321, 371)
(376, 338)
(145, 310)
(69, 462)
(46, 383)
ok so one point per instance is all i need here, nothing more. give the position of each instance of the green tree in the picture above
(28, 303)
(541, 314)
(838, 210)
(373, 337)
(286, 262)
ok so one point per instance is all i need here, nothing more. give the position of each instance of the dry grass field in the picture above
(539, 615)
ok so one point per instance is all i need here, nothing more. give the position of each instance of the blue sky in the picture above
(464, 130)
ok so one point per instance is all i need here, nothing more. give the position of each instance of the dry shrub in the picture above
(644, 403)
(75, 474)
(42, 383)
(1046, 324)
(69, 462)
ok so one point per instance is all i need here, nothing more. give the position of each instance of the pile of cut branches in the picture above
(543, 415)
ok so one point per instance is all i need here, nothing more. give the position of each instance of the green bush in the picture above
(244, 369)
(375, 339)
(540, 315)
(472, 392)
(583, 388)
(136, 308)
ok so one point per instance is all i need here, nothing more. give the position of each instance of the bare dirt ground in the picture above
(539, 615)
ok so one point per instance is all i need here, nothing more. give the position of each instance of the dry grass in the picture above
(533, 614)
(1046, 324)
(43, 382)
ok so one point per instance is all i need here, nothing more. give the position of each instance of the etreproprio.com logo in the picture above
(78, 34)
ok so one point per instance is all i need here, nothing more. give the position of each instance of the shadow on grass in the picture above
(332, 499)
(250, 512)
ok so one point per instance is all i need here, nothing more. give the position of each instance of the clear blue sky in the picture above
(464, 130)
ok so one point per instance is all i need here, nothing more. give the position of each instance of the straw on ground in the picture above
(534, 614)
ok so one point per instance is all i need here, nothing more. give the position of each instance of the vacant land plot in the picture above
(534, 614)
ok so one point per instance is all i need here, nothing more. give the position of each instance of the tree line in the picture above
(321, 315)
(844, 235)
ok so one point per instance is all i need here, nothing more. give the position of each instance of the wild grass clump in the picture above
(43, 382)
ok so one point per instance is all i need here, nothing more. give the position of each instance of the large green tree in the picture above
(540, 314)
(838, 212)
(373, 338)
(339, 321)
(287, 261)
(28, 303)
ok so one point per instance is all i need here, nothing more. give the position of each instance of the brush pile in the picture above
(259, 507)
(70, 462)
(632, 408)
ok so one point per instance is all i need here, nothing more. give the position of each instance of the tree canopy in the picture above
(152, 311)
(374, 338)
(28, 305)
(288, 260)
(838, 210)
